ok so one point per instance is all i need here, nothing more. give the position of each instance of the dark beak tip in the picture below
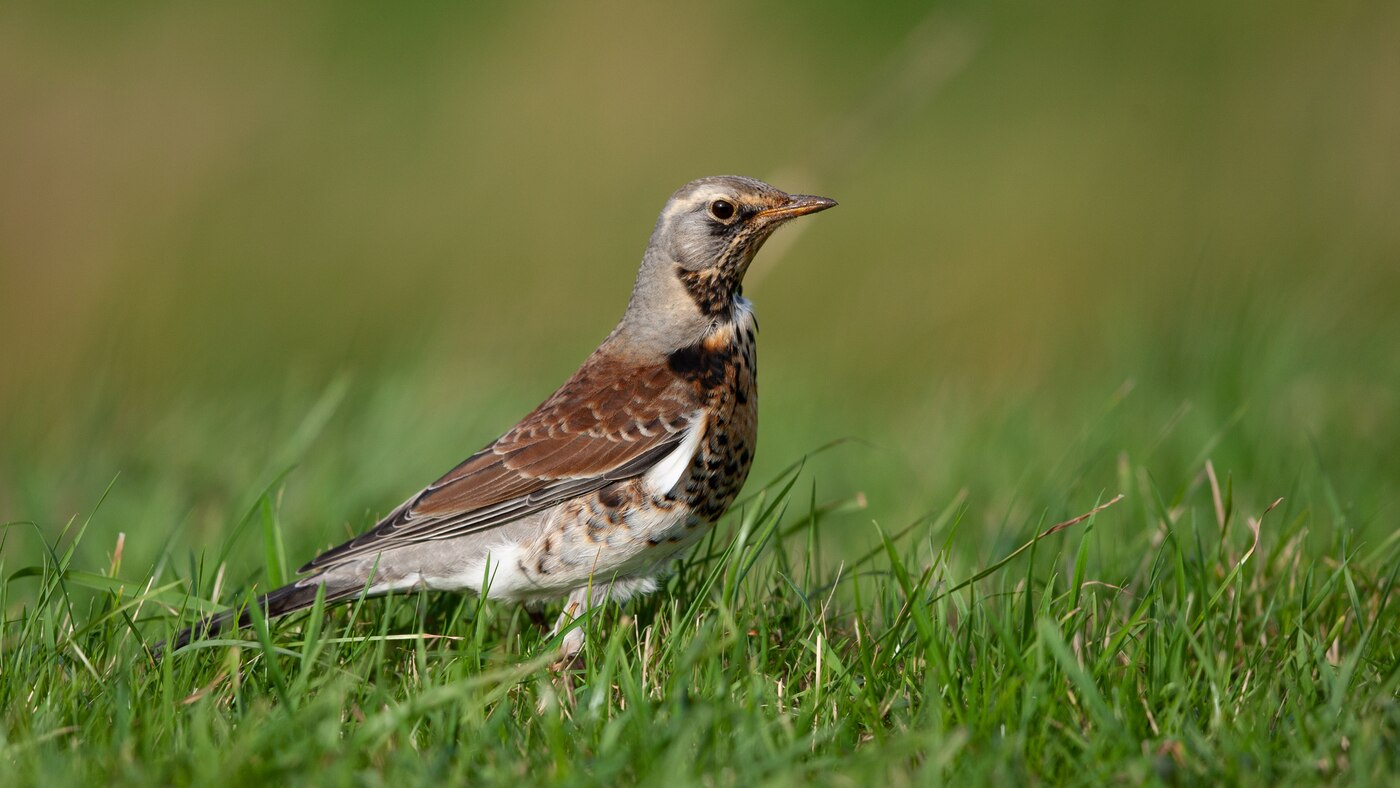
(811, 203)
(796, 205)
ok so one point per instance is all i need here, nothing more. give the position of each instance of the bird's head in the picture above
(711, 229)
(704, 240)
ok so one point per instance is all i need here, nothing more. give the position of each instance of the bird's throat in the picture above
(712, 289)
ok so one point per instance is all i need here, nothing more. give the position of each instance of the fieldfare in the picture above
(594, 492)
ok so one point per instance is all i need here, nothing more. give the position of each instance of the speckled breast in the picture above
(725, 455)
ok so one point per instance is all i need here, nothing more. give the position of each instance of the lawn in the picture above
(1079, 416)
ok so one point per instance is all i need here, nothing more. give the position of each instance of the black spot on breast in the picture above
(699, 365)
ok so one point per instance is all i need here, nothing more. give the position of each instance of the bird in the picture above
(599, 489)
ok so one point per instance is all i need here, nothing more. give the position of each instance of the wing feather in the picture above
(611, 421)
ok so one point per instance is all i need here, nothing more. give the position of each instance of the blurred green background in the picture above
(1081, 248)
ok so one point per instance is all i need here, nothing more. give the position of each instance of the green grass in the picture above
(1181, 634)
(266, 271)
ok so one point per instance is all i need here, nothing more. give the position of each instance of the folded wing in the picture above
(611, 421)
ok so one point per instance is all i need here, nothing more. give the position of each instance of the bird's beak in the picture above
(797, 205)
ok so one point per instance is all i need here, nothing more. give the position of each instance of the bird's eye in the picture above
(722, 210)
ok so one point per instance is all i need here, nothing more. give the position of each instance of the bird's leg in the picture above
(585, 598)
(570, 658)
(579, 602)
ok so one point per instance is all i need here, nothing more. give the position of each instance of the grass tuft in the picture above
(1217, 653)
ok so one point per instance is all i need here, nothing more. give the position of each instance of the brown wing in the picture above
(610, 421)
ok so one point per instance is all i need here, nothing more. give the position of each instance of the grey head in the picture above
(703, 243)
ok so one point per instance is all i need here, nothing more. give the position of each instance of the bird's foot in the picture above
(570, 653)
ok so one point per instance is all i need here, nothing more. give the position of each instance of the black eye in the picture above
(722, 210)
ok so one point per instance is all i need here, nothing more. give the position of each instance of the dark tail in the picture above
(284, 600)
